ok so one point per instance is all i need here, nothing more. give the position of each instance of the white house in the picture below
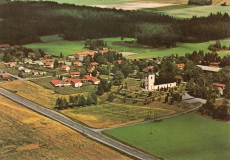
(75, 82)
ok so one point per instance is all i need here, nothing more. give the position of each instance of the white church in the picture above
(150, 83)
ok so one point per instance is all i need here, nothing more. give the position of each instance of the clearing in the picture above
(188, 136)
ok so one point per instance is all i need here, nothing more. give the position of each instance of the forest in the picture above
(23, 23)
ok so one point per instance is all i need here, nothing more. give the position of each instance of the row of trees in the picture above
(200, 2)
(76, 101)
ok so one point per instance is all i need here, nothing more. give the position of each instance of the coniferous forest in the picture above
(24, 22)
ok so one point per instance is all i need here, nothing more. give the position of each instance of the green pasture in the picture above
(181, 49)
(167, 8)
(55, 46)
(199, 11)
(188, 136)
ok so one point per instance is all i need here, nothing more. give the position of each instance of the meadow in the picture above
(199, 11)
(57, 46)
(25, 134)
(188, 136)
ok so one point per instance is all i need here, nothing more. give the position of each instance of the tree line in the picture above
(33, 19)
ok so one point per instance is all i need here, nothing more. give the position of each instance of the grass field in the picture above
(188, 136)
(26, 135)
(181, 49)
(72, 47)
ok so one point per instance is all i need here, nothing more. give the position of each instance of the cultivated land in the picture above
(99, 116)
(188, 136)
(25, 134)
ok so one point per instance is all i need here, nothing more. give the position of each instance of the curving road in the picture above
(80, 128)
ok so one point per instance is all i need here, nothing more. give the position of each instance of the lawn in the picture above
(188, 136)
(26, 135)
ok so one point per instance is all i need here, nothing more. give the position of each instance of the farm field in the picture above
(199, 11)
(34, 92)
(139, 51)
(188, 136)
(25, 134)
(181, 49)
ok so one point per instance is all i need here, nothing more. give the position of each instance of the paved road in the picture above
(80, 128)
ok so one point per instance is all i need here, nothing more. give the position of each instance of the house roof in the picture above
(93, 79)
(208, 68)
(31, 53)
(74, 73)
(94, 63)
(77, 63)
(74, 80)
(119, 61)
(103, 51)
(57, 82)
(64, 66)
(4, 75)
(218, 84)
(49, 63)
(181, 65)
(4, 45)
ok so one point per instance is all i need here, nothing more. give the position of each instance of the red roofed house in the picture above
(180, 66)
(93, 64)
(119, 61)
(75, 82)
(79, 64)
(48, 56)
(220, 87)
(65, 68)
(80, 56)
(74, 74)
(92, 79)
(103, 51)
(4, 76)
(4, 47)
(49, 64)
(58, 83)
(31, 54)
(11, 64)
(214, 64)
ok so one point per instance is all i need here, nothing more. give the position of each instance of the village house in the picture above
(220, 87)
(47, 56)
(71, 58)
(75, 82)
(80, 56)
(10, 64)
(58, 83)
(26, 70)
(2, 75)
(40, 63)
(93, 64)
(49, 64)
(31, 54)
(209, 69)
(119, 61)
(77, 63)
(180, 66)
(4, 47)
(74, 74)
(65, 68)
(92, 79)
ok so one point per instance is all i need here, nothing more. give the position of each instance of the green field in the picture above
(188, 136)
(71, 47)
(199, 11)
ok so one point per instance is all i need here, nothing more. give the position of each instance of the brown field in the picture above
(34, 92)
(26, 135)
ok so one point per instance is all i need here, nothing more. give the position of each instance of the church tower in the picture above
(149, 82)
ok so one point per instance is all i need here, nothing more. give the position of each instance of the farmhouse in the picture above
(150, 83)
